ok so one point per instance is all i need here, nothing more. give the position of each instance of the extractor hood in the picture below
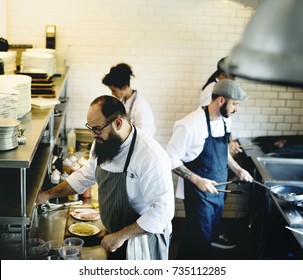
(271, 47)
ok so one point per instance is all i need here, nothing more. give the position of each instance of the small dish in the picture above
(84, 229)
(86, 214)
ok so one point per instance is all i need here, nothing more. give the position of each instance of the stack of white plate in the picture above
(8, 103)
(21, 83)
(8, 134)
(38, 61)
(9, 61)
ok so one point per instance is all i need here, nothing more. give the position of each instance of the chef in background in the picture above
(133, 172)
(137, 108)
(205, 98)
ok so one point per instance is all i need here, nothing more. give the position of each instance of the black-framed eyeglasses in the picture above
(96, 129)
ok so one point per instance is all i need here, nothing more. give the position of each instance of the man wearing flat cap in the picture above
(199, 154)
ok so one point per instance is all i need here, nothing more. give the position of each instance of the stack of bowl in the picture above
(8, 133)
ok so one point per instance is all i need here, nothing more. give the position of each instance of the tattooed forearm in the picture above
(183, 172)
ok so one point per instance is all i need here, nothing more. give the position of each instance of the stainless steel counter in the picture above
(287, 210)
(51, 226)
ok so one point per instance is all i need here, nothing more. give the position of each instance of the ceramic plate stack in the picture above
(39, 61)
(9, 61)
(8, 103)
(21, 83)
(8, 134)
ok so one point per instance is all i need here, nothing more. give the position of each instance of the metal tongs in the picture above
(230, 191)
(48, 207)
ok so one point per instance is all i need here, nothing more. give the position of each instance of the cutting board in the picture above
(89, 240)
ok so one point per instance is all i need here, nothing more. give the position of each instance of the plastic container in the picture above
(75, 242)
(55, 178)
(74, 167)
(94, 196)
(73, 197)
(71, 141)
(66, 165)
(69, 252)
(63, 176)
(72, 158)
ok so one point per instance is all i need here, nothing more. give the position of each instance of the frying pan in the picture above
(287, 192)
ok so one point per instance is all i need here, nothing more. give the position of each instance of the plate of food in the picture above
(86, 214)
(84, 229)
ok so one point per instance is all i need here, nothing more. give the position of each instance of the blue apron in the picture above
(204, 210)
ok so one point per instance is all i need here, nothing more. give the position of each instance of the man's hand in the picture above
(234, 148)
(41, 198)
(243, 175)
(203, 184)
(115, 240)
(112, 242)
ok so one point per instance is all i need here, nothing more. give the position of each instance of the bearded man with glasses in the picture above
(133, 172)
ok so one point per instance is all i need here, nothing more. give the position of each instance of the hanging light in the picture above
(271, 47)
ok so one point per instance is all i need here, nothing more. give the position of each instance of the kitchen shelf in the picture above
(23, 169)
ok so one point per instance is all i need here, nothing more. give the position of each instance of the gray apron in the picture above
(116, 211)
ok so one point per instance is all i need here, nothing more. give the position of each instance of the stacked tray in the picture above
(42, 85)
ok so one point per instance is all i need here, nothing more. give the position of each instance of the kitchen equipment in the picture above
(268, 50)
(8, 133)
(230, 182)
(249, 144)
(3, 45)
(294, 230)
(231, 192)
(47, 207)
(288, 192)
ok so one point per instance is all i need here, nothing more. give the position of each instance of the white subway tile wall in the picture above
(173, 47)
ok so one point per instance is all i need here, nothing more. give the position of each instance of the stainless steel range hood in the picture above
(271, 47)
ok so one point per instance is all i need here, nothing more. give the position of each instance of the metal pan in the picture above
(291, 193)
(286, 192)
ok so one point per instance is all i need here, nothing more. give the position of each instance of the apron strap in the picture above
(208, 121)
(132, 103)
(130, 150)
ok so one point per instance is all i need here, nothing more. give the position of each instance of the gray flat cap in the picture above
(230, 89)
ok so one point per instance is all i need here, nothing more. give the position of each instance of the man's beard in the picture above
(107, 150)
(223, 110)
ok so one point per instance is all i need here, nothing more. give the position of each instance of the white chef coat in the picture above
(149, 181)
(187, 141)
(140, 113)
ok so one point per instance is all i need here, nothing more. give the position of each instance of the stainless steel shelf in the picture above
(34, 123)
(23, 170)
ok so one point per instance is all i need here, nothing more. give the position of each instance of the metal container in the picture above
(8, 133)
